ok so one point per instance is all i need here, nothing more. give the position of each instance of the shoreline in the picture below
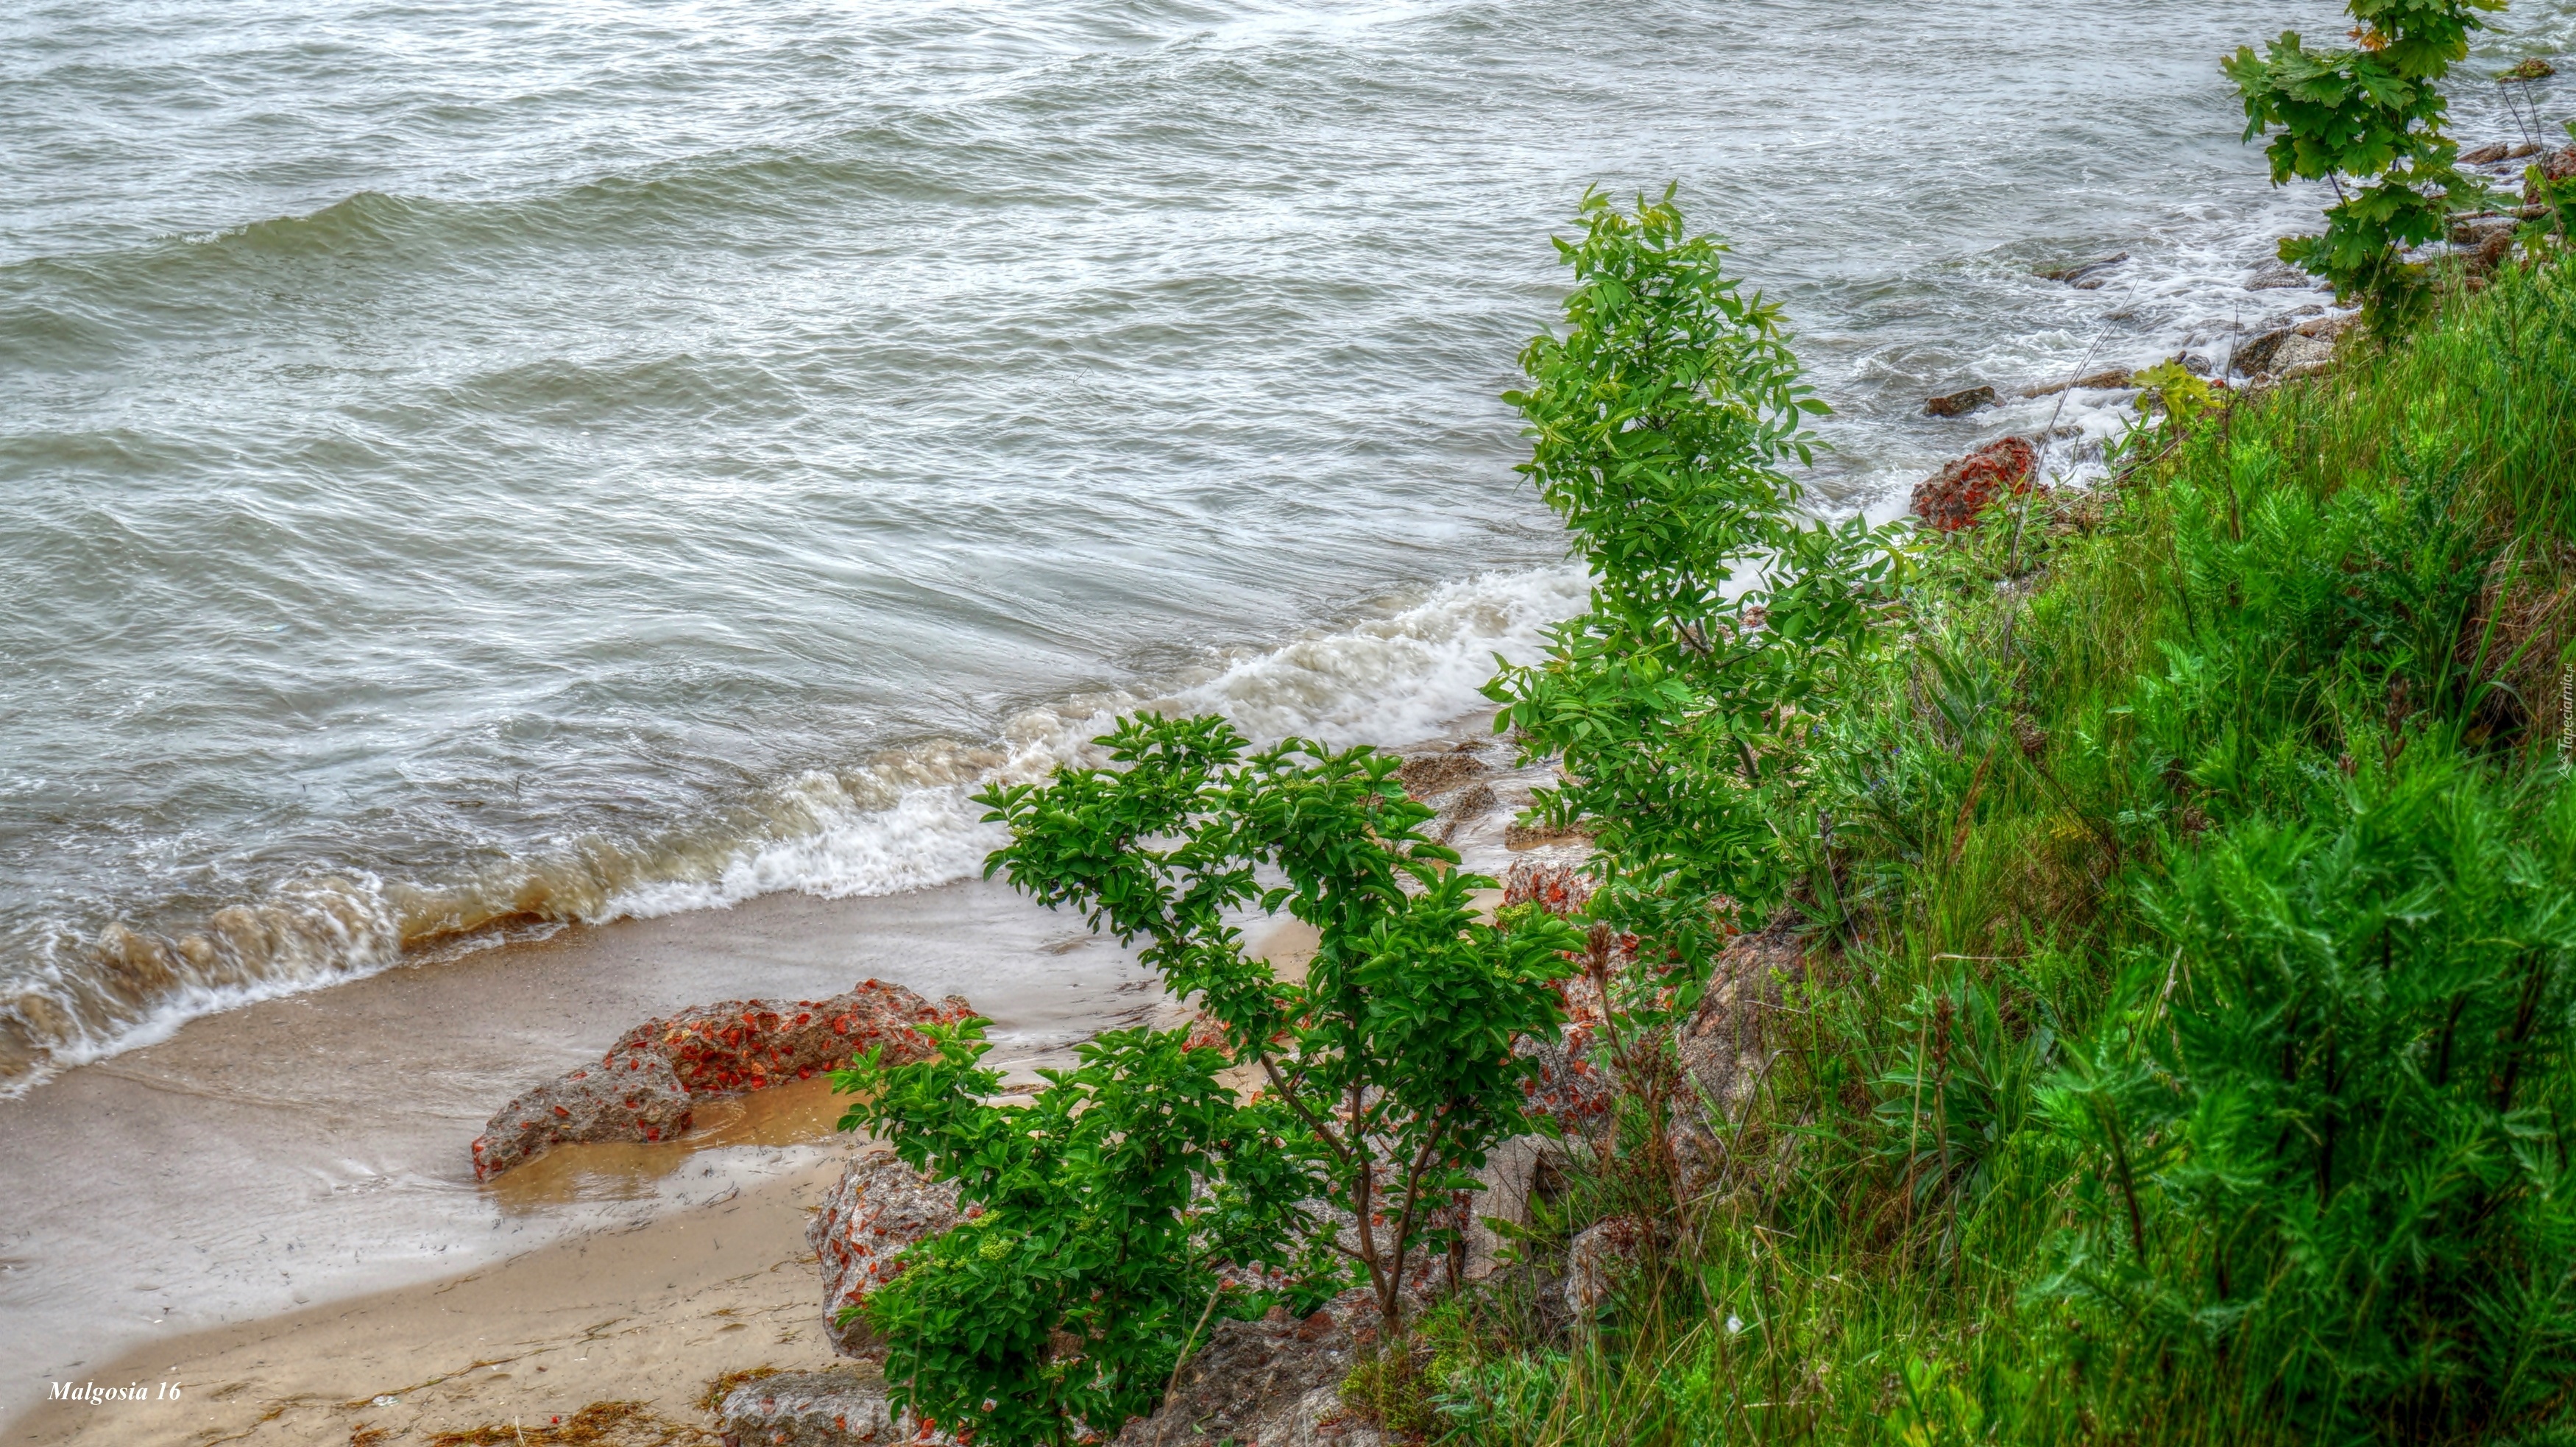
(273, 1160)
(270, 1179)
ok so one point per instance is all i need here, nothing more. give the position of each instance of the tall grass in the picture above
(2181, 1050)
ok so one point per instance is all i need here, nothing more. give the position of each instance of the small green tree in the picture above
(1105, 1212)
(1660, 421)
(2372, 113)
(1393, 1056)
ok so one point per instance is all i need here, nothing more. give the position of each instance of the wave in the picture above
(902, 819)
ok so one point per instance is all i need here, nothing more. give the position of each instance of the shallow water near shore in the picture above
(511, 522)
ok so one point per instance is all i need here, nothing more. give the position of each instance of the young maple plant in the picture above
(2373, 113)
(1392, 1056)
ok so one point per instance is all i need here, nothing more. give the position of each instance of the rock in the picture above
(1960, 404)
(2522, 149)
(1593, 1261)
(2278, 276)
(814, 1409)
(2255, 357)
(1427, 774)
(635, 1098)
(2558, 165)
(879, 1209)
(642, 1089)
(2489, 251)
(741, 1045)
(2477, 230)
(1317, 1419)
(1561, 888)
(1506, 1185)
(1722, 1045)
(1250, 1384)
(2110, 379)
(1473, 802)
(2087, 276)
(1517, 837)
(1951, 498)
(2485, 155)
(1568, 1089)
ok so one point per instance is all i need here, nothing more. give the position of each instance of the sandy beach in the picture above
(648, 1313)
(302, 1164)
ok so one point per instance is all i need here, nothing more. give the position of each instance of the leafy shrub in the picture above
(1659, 423)
(1391, 1064)
(1101, 1216)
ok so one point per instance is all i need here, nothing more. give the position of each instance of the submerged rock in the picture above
(879, 1209)
(2088, 275)
(644, 1088)
(2109, 379)
(1960, 403)
(2278, 276)
(1951, 498)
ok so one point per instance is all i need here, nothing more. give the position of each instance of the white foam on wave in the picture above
(1390, 679)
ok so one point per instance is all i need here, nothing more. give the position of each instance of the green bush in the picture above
(1391, 1063)
(1102, 1218)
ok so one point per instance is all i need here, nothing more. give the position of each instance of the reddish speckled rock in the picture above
(644, 1087)
(741, 1045)
(880, 1208)
(1951, 498)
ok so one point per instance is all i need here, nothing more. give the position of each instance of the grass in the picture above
(1962, 1207)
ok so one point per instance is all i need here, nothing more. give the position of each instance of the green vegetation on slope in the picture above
(2190, 926)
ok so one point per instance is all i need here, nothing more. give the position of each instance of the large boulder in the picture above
(1951, 498)
(879, 1209)
(644, 1087)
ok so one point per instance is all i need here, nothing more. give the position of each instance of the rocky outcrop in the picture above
(644, 1088)
(879, 1209)
(1951, 498)
(1268, 1383)
(815, 1409)
(1960, 403)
